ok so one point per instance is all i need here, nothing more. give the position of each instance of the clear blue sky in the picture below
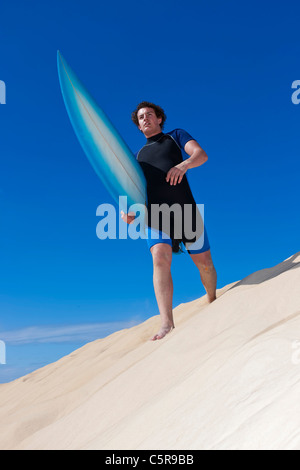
(221, 70)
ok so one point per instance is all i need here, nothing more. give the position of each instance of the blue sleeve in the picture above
(181, 137)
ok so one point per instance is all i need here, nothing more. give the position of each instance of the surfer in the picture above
(165, 173)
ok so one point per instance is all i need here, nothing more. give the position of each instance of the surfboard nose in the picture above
(104, 147)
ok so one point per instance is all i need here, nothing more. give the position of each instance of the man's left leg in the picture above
(208, 274)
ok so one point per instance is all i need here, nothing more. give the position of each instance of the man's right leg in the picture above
(163, 286)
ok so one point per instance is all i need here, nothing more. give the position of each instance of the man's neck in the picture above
(155, 132)
(154, 137)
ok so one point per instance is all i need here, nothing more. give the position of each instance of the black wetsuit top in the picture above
(161, 153)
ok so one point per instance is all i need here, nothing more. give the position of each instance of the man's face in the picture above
(149, 123)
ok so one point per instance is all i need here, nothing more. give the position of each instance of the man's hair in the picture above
(146, 104)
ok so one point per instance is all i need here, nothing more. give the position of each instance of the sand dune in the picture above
(228, 377)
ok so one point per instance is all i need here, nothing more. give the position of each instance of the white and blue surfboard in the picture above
(109, 155)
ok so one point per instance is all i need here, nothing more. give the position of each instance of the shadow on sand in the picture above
(265, 274)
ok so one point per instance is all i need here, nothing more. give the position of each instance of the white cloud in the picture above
(64, 333)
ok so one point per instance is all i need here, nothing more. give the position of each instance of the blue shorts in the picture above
(155, 236)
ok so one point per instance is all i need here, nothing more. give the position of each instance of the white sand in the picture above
(228, 377)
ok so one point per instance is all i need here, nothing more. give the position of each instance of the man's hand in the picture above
(176, 173)
(128, 218)
(197, 157)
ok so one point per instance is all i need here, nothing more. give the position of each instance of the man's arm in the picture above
(197, 157)
(196, 153)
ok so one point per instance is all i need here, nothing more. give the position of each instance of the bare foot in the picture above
(163, 332)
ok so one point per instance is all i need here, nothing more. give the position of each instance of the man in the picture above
(164, 169)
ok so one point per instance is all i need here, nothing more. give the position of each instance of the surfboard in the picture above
(104, 147)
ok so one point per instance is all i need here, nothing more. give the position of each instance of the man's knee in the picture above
(203, 261)
(162, 255)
